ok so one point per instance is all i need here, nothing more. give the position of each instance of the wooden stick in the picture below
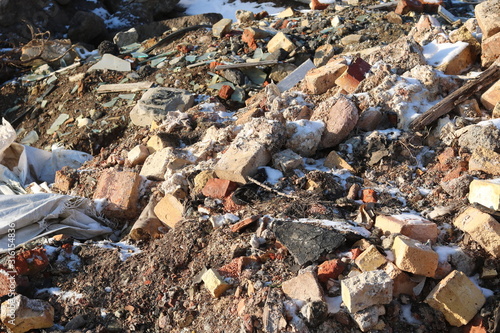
(132, 87)
(248, 64)
(255, 181)
(482, 82)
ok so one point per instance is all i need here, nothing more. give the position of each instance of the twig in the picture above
(271, 189)
(176, 34)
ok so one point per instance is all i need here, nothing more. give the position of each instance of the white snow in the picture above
(439, 54)
(273, 175)
(406, 315)
(486, 292)
(226, 8)
(445, 251)
(125, 250)
(333, 303)
(307, 126)
(62, 295)
(338, 225)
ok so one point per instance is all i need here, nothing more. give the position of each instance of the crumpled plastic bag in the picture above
(32, 164)
(24, 218)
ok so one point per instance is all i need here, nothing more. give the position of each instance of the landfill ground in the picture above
(321, 209)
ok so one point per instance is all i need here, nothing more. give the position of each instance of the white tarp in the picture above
(36, 215)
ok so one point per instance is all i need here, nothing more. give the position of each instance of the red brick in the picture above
(236, 266)
(330, 269)
(31, 262)
(121, 189)
(219, 188)
(369, 195)
(230, 205)
(405, 6)
(351, 78)
(225, 92)
(240, 226)
(356, 252)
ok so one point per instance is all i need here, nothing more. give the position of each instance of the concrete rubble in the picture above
(313, 171)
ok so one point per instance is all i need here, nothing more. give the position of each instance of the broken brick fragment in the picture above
(369, 195)
(354, 74)
(225, 92)
(316, 5)
(405, 6)
(330, 269)
(30, 262)
(240, 226)
(219, 188)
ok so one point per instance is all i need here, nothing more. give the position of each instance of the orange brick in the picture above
(225, 92)
(219, 188)
(121, 189)
(169, 210)
(414, 257)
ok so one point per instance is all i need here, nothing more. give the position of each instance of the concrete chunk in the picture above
(483, 229)
(414, 257)
(410, 225)
(485, 192)
(457, 297)
(280, 41)
(304, 287)
(237, 163)
(366, 289)
(221, 28)
(304, 136)
(21, 314)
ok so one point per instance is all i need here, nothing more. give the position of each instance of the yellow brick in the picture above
(485, 192)
(457, 297)
(482, 228)
(169, 210)
(410, 225)
(214, 283)
(370, 259)
(414, 257)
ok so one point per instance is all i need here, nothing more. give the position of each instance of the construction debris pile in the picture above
(329, 170)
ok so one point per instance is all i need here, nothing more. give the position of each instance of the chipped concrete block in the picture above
(410, 225)
(319, 80)
(237, 163)
(490, 50)
(367, 319)
(121, 189)
(169, 210)
(215, 283)
(457, 297)
(280, 41)
(485, 160)
(414, 257)
(485, 192)
(488, 17)
(287, 160)
(304, 287)
(354, 74)
(491, 96)
(218, 188)
(304, 136)
(370, 259)
(156, 164)
(221, 28)
(483, 229)
(137, 155)
(366, 289)
(333, 160)
(340, 116)
(21, 314)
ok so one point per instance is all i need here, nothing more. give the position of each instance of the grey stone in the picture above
(458, 187)
(307, 242)
(368, 318)
(234, 76)
(124, 38)
(315, 312)
(463, 262)
(156, 103)
(273, 315)
(480, 136)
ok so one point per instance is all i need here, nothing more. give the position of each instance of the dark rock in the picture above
(75, 323)
(315, 312)
(146, 70)
(307, 242)
(87, 27)
(279, 55)
(107, 46)
(234, 76)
